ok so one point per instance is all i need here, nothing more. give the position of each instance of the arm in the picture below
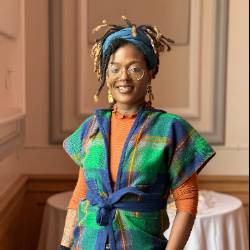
(67, 239)
(181, 229)
(71, 217)
(186, 199)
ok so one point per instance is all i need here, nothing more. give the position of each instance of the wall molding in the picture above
(207, 70)
(13, 137)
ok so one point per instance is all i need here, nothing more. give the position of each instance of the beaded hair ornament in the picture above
(157, 40)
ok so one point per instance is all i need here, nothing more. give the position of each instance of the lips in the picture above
(124, 89)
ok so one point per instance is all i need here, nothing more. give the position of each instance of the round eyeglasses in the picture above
(134, 72)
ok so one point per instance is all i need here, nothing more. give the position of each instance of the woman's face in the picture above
(127, 76)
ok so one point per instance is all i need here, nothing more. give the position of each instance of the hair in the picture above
(158, 42)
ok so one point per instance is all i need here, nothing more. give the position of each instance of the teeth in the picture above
(125, 89)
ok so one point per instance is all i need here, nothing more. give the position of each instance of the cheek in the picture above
(142, 87)
(109, 82)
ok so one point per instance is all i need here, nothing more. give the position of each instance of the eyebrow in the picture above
(132, 62)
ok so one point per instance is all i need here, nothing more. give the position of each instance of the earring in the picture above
(96, 98)
(150, 93)
(110, 97)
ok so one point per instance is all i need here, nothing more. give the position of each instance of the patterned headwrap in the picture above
(141, 41)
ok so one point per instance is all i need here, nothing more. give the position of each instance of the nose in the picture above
(124, 75)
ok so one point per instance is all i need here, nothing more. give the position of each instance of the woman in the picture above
(132, 155)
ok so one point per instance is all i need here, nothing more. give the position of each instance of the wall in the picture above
(233, 159)
(9, 168)
(12, 97)
(39, 157)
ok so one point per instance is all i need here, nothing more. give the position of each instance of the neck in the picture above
(127, 109)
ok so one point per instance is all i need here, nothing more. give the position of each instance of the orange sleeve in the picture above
(186, 195)
(79, 191)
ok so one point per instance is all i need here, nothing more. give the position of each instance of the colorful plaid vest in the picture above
(161, 151)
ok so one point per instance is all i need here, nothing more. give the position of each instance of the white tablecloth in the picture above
(53, 221)
(219, 225)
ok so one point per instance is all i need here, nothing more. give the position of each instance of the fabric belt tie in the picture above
(147, 202)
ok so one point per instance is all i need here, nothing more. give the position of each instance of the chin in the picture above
(129, 101)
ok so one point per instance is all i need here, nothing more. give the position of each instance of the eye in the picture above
(135, 69)
(114, 69)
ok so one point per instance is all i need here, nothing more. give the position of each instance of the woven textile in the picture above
(162, 150)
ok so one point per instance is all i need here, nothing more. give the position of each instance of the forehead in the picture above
(127, 54)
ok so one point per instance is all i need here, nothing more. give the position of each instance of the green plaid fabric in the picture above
(162, 151)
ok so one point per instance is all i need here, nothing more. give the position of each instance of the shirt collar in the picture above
(120, 115)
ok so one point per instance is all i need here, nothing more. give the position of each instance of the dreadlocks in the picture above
(157, 40)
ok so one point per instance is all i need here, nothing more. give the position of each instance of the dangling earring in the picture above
(150, 93)
(110, 97)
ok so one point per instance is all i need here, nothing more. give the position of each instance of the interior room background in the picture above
(47, 84)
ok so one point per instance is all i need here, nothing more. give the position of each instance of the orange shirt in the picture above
(185, 196)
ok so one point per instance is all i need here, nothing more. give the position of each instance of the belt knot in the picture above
(104, 212)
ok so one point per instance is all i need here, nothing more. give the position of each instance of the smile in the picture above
(125, 89)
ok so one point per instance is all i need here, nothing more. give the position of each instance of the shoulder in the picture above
(85, 125)
(80, 131)
(86, 122)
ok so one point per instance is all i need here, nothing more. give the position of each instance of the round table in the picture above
(53, 221)
(220, 223)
